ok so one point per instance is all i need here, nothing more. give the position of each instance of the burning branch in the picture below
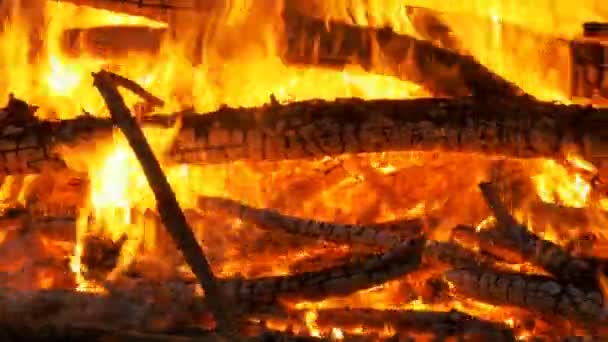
(341, 280)
(171, 214)
(441, 71)
(543, 253)
(514, 128)
(538, 293)
(368, 235)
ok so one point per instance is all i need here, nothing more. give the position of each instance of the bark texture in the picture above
(336, 281)
(373, 235)
(538, 293)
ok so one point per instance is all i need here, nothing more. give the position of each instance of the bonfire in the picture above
(182, 170)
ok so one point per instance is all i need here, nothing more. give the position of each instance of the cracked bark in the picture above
(335, 281)
(443, 72)
(384, 235)
(538, 293)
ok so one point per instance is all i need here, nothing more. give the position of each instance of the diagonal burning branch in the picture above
(168, 208)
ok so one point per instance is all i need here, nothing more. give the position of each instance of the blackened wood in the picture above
(169, 209)
(314, 41)
(455, 255)
(538, 293)
(367, 235)
(341, 280)
(512, 128)
(450, 323)
(544, 253)
(112, 41)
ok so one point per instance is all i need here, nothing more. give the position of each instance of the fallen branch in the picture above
(171, 214)
(538, 293)
(367, 235)
(442, 72)
(336, 281)
(546, 254)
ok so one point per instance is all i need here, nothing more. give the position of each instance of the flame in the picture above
(554, 183)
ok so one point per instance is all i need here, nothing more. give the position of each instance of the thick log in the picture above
(337, 281)
(546, 254)
(441, 71)
(538, 293)
(367, 235)
(513, 128)
(446, 324)
(484, 241)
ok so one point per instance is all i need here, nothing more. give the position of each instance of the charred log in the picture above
(546, 254)
(441, 71)
(336, 281)
(367, 235)
(514, 128)
(112, 41)
(538, 293)
(100, 255)
(447, 324)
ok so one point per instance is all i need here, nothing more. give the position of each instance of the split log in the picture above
(513, 128)
(112, 41)
(269, 219)
(169, 209)
(538, 293)
(336, 281)
(446, 324)
(442, 72)
(546, 254)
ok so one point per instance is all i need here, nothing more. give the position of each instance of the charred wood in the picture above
(509, 127)
(169, 209)
(538, 293)
(440, 71)
(448, 324)
(546, 254)
(112, 41)
(332, 282)
(368, 235)
(514, 128)
(455, 255)
(484, 241)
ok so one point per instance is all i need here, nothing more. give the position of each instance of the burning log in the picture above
(441, 71)
(538, 293)
(367, 235)
(112, 41)
(516, 128)
(546, 254)
(446, 324)
(169, 209)
(335, 281)
(453, 254)
(484, 240)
